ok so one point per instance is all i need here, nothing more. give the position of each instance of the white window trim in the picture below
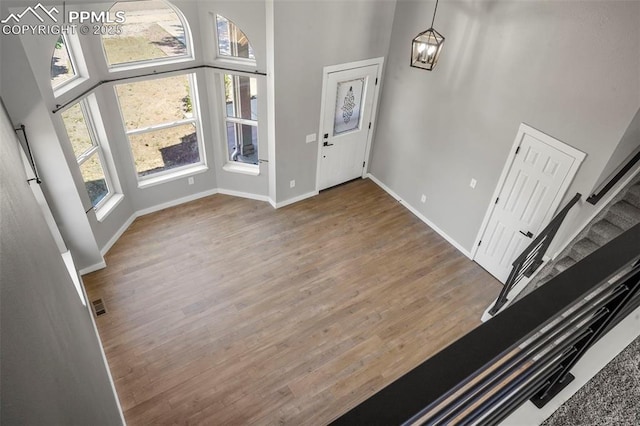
(176, 172)
(173, 174)
(242, 168)
(95, 150)
(80, 69)
(236, 166)
(229, 59)
(129, 66)
(106, 204)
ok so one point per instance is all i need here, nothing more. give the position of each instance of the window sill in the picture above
(108, 207)
(146, 183)
(246, 169)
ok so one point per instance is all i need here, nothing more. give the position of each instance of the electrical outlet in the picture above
(423, 199)
(292, 184)
(190, 180)
(473, 182)
(311, 138)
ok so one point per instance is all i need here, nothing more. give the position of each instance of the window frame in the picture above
(95, 149)
(195, 119)
(146, 63)
(230, 59)
(81, 74)
(235, 165)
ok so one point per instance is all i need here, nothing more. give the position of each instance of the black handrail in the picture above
(531, 258)
(525, 352)
(27, 148)
(594, 198)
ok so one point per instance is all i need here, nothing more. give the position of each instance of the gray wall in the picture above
(25, 105)
(52, 370)
(627, 147)
(569, 69)
(310, 35)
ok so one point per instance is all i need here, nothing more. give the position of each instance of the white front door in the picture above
(348, 103)
(535, 183)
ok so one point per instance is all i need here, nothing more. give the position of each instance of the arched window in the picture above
(152, 30)
(63, 69)
(232, 42)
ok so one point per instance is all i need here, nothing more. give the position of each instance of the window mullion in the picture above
(161, 126)
(87, 154)
(245, 121)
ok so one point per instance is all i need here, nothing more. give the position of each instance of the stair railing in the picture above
(532, 257)
(525, 353)
(594, 198)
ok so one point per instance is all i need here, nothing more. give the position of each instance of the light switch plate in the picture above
(473, 183)
(311, 138)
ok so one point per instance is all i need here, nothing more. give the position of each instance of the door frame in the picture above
(374, 108)
(577, 155)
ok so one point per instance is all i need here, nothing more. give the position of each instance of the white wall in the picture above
(310, 35)
(52, 370)
(569, 69)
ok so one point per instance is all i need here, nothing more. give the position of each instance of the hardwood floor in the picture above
(226, 311)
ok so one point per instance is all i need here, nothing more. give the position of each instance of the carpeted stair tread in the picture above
(565, 263)
(547, 278)
(633, 195)
(604, 231)
(623, 215)
(583, 248)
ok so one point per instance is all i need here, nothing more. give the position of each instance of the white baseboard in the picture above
(594, 360)
(420, 216)
(176, 202)
(92, 268)
(243, 195)
(296, 199)
(118, 234)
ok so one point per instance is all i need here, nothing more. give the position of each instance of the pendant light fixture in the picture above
(426, 47)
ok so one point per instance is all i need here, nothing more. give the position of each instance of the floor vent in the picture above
(98, 307)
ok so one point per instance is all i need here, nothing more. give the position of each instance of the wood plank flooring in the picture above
(226, 311)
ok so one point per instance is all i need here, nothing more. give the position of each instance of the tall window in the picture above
(161, 121)
(232, 42)
(152, 30)
(88, 152)
(241, 118)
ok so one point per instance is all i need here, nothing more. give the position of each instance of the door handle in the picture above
(528, 234)
(325, 143)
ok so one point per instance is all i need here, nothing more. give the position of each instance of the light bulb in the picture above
(421, 47)
(431, 50)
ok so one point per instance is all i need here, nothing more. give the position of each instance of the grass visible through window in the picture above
(155, 102)
(152, 30)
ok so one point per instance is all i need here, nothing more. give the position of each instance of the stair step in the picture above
(551, 275)
(564, 264)
(583, 248)
(604, 231)
(633, 195)
(623, 215)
